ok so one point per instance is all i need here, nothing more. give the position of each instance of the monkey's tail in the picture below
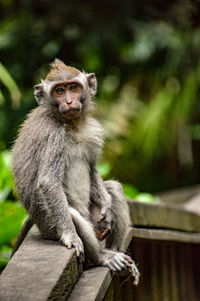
(25, 229)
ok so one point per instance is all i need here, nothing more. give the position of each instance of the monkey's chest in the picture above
(77, 178)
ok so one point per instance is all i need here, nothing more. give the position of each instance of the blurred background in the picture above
(146, 56)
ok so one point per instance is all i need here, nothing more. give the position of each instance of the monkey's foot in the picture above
(121, 263)
(71, 240)
(133, 270)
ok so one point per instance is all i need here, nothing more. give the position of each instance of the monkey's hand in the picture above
(104, 221)
(106, 216)
(72, 240)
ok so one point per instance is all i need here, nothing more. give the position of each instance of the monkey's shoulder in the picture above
(38, 130)
(41, 122)
(91, 133)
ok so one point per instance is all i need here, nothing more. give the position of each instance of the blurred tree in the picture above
(146, 57)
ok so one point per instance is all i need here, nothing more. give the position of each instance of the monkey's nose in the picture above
(69, 101)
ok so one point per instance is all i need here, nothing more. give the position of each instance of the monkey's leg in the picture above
(120, 216)
(115, 261)
(121, 223)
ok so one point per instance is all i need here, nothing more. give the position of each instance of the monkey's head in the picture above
(66, 90)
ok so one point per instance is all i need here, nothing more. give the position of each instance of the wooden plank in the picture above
(40, 270)
(157, 264)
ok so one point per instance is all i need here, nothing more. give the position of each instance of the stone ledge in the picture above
(182, 217)
(39, 270)
(46, 270)
(167, 235)
(94, 282)
(92, 285)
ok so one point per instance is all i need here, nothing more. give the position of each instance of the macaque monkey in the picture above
(54, 166)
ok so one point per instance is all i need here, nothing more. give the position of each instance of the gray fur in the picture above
(54, 165)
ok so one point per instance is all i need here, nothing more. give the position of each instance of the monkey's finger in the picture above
(112, 267)
(77, 252)
(117, 266)
(129, 259)
(105, 233)
(136, 278)
(68, 245)
(121, 264)
(135, 273)
(101, 218)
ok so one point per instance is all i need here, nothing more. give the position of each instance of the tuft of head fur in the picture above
(58, 68)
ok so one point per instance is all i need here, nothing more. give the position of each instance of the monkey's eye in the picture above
(73, 87)
(59, 90)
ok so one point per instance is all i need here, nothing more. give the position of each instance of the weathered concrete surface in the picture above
(167, 235)
(193, 205)
(94, 282)
(39, 270)
(166, 215)
(46, 270)
(92, 285)
(179, 195)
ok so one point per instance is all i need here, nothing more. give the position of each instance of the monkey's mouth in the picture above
(71, 112)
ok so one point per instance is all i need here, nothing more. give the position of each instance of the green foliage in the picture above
(11, 218)
(12, 214)
(6, 179)
(104, 169)
(146, 57)
(12, 87)
(145, 198)
(130, 191)
(133, 193)
(5, 253)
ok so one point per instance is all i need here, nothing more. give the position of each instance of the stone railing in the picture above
(166, 244)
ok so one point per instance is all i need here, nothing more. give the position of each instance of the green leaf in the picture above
(130, 191)
(5, 253)
(11, 85)
(104, 169)
(4, 194)
(6, 179)
(11, 219)
(145, 197)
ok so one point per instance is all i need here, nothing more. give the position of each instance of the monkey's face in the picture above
(68, 89)
(68, 98)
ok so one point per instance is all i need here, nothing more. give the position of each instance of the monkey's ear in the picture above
(92, 83)
(39, 93)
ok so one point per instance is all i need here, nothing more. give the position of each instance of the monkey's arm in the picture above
(101, 197)
(53, 206)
